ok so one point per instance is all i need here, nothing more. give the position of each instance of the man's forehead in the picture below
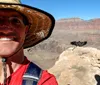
(10, 12)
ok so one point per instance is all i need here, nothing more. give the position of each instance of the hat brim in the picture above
(42, 23)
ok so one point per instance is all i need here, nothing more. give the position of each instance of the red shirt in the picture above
(16, 77)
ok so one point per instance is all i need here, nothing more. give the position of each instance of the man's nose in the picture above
(6, 30)
(6, 27)
(6, 22)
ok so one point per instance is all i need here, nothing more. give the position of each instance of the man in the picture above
(22, 26)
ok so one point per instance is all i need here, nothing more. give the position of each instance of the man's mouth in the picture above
(6, 39)
(10, 38)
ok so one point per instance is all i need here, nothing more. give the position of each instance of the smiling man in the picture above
(22, 26)
(12, 32)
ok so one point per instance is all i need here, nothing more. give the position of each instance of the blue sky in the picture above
(84, 9)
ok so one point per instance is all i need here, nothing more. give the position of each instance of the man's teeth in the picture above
(6, 39)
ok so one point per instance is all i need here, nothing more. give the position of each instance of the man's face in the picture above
(12, 32)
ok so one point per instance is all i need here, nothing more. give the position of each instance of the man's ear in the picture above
(27, 29)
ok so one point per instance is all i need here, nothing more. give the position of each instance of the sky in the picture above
(84, 9)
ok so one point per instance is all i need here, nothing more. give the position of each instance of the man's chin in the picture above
(6, 52)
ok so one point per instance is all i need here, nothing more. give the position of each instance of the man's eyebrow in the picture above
(15, 16)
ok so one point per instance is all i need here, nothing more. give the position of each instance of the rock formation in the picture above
(78, 66)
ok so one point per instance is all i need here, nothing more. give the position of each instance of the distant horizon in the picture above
(79, 18)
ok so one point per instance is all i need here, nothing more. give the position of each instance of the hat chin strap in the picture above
(4, 69)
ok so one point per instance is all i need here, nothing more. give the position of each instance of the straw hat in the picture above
(42, 23)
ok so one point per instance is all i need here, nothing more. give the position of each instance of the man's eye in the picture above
(15, 21)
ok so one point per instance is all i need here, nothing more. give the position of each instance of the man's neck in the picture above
(12, 64)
